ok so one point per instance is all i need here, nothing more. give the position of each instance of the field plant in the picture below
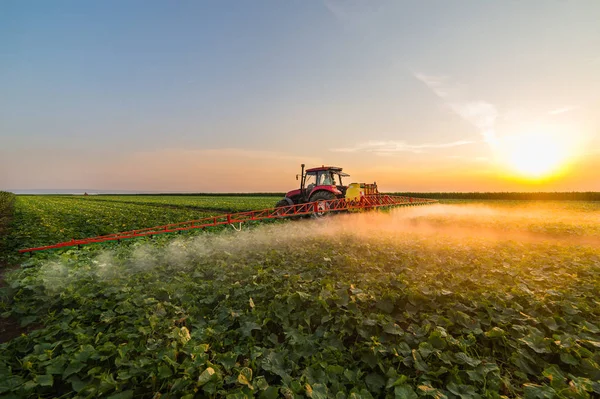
(7, 201)
(403, 304)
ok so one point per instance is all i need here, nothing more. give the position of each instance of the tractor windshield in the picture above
(310, 180)
(328, 178)
(324, 178)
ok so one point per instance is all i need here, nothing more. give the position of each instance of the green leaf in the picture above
(437, 340)
(569, 359)
(206, 376)
(555, 376)
(248, 327)
(45, 380)
(261, 383)
(375, 382)
(164, 371)
(534, 391)
(122, 395)
(233, 395)
(425, 349)
(27, 320)
(386, 305)
(270, 393)
(317, 391)
(393, 328)
(183, 335)
(463, 358)
(428, 390)
(275, 363)
(72, 368)
(495, 332)
(56, 367)
(590, 327)
(84, 354)
(462, 391)
(77, 384)
(228, 360)
(538, 343)
(245, 376)
(404, 392)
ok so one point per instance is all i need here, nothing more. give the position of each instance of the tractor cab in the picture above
(324, 178)
(321, 183)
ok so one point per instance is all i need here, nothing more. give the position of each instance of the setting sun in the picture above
(535, 154)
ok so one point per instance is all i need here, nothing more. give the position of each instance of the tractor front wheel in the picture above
(320, 197)
(281, 204)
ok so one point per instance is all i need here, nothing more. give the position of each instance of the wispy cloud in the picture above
(469, 159)
(392, 146)
(480, 114)
(562, 110)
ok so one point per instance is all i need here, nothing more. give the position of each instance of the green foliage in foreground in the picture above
(306, 310)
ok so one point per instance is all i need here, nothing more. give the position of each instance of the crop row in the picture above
(217, 203)
(44, 220)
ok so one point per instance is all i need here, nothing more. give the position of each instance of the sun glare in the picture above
(535, 155)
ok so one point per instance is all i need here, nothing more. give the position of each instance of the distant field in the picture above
(464, 299)
(218, 203)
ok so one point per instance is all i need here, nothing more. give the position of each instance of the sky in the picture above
(232, 96)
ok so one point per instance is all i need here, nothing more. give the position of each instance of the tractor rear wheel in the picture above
(321, 197)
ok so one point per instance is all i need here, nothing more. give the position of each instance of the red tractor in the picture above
(322, 184)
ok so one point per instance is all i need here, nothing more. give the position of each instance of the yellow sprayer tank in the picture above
(357, 190)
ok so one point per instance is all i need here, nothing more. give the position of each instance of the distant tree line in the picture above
(537, 196)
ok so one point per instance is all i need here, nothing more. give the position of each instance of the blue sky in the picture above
(233, 95)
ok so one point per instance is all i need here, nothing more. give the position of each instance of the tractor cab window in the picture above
(310, 180)
(336, 179)
(323, 178)
(326, 178)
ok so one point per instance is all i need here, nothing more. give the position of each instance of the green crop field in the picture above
(469, 299)
(207, 203)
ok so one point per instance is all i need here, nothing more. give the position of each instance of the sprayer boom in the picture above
(316, 208)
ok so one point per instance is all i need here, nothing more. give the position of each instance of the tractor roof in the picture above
(332, 168)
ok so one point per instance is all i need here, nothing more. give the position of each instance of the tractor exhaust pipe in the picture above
(302, 181)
